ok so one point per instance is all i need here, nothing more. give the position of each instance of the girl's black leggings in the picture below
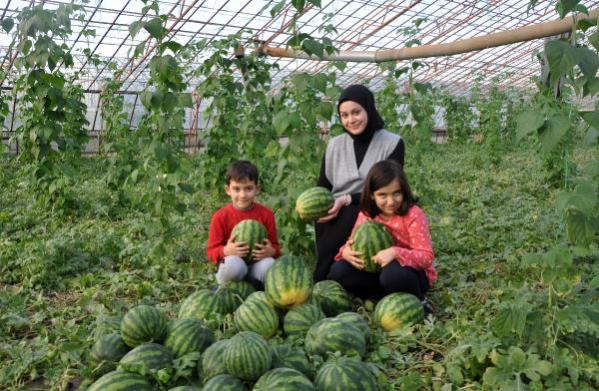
(392, 278)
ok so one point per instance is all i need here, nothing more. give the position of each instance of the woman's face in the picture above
(353, 117)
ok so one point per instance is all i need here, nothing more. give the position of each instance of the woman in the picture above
(344, 167)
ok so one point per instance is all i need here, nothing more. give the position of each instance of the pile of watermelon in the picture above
(294, 335)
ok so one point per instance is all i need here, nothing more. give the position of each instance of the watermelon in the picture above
(331, 335)
(285, 356)
(259, 296)
(107, 325)
(345, 374)
(258, 317)
(107, 351)
(299, 319)
(397, 310)
(121, 381)
(247, 356)
(288, 282)
(283, 379)
(188, 335)
(208, 305)
(224, 383)
(241, 288)
(331, 297)
(186, 388)
(149, 356)
(357, 320)
(251, 232)
(369, 238)
(314, 203)
(143, 324)
(212, 362)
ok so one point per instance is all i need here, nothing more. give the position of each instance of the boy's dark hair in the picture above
(380, 175)
(242, 169)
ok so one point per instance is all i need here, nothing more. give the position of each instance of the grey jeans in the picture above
(233, 268)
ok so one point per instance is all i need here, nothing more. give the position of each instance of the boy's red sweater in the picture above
(227, 217)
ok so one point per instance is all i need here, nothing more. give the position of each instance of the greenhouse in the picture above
(299, 195)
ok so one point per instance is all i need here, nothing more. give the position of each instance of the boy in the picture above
(243, 187)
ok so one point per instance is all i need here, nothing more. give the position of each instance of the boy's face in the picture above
(242, 193)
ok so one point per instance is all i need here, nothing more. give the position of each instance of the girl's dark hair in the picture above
(380, 175)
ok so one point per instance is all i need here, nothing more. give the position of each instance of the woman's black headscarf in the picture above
(362, 95)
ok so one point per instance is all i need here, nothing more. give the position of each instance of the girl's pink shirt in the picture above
(413, 245)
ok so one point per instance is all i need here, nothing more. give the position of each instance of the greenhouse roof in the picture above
(361, 25)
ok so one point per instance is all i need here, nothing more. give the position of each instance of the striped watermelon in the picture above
(285, 356)
(107, 351)
(208, 305)
(251, 232)
(314, 203)
(288, 282)
(224, 383)
(143, 324)
(188, 335)
(107, 325)
(369, 238)
(213, 363)
(121, 381)
(283, 379)
(397, 310)
(247, 356)
(242, 288)
(357, 320)
(147, 356)
(332, 335)
(345, 374)
(258, 317)
(186, 388)
(259, 296)
(299, 319)
(331, 297)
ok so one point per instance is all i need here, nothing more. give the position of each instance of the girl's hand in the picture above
(384, 257)
(353, 257)
(334, 211)
(239, 249)
(263, 250)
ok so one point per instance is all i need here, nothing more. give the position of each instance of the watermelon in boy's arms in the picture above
(368, 239)
(251, 232)
(314, 203)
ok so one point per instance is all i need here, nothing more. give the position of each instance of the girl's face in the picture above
(353, 117)
(388, 199)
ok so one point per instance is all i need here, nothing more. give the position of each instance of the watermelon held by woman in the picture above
(314, 203)
(288, 282)
(370, 238)
(398, 310)
(251, 232)
(143, 324)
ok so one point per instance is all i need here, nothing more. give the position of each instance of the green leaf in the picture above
(7, 24)
(594, 39)
(155, 28)
(171, 45)
(277, 8)
(312, 46)
(528, 122)
(589, 62)
(298, 5)
(562, 58)
(591, 118)
(591, 86)
(135, 27)
(316, 3)
(552, 134)
(563, 7)
(185, 100)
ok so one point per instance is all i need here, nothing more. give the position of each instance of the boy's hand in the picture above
(353, 257)
(384, 257)
(263, 250)
(340, 202)
(239, 249)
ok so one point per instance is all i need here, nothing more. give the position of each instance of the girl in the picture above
(408, 265)
(344, 167)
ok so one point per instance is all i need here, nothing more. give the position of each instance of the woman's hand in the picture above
(353, 257)
(384, 257)
(340, 202)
